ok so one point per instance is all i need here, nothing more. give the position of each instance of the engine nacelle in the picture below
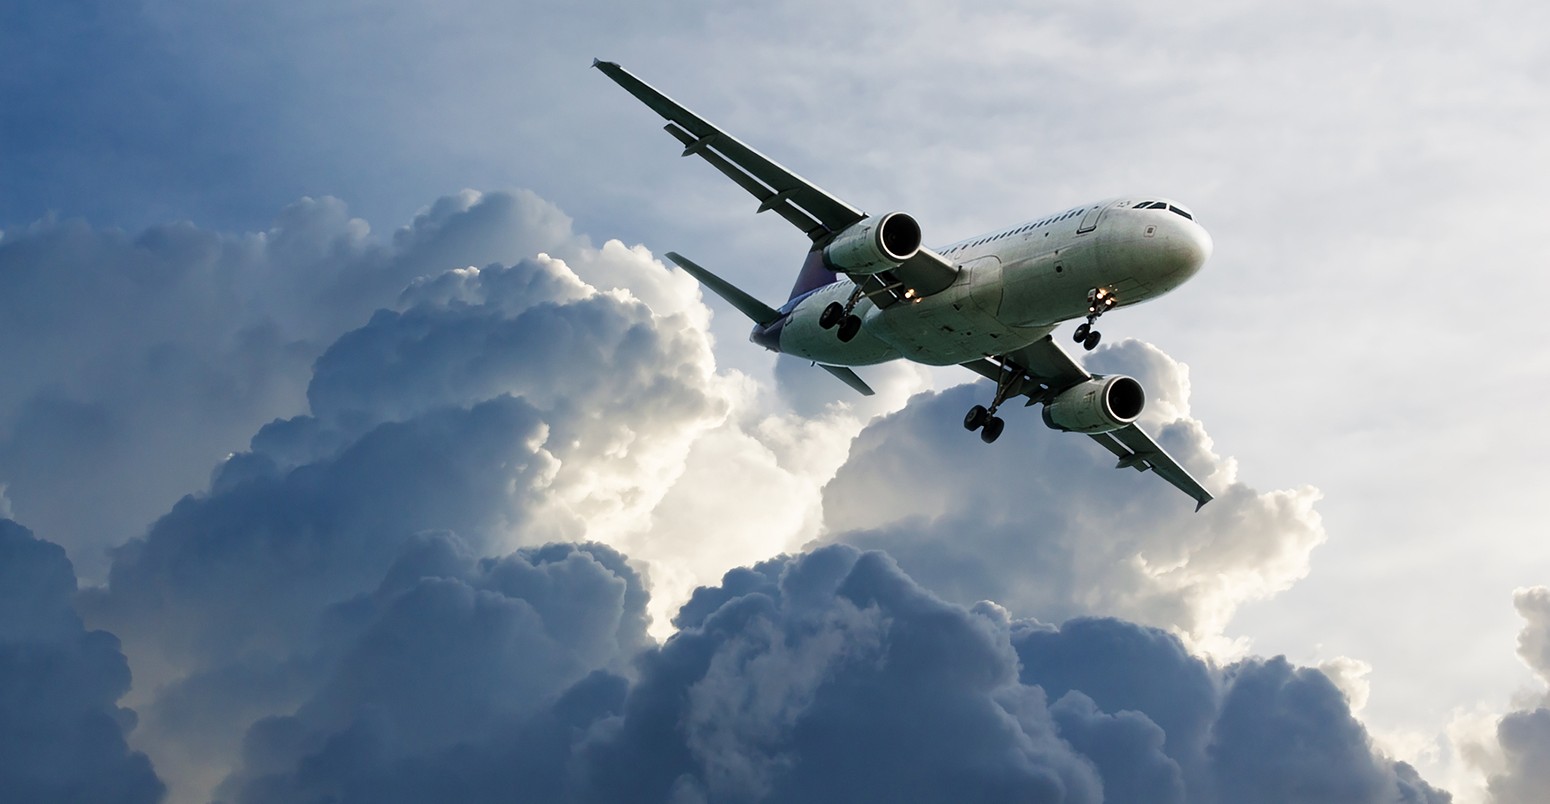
(1096, 406)
(876, 244)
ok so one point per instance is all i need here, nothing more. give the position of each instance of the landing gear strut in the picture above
(836, 313)
(985, 419)
(1099, 300)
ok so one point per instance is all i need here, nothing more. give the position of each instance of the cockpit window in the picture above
(1180, 211)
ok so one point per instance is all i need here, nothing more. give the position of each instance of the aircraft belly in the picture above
(801, 336)
(949, 331)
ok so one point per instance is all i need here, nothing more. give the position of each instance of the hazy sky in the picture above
(234, 265)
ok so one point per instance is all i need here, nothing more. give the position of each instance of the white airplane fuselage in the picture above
(1013, 287)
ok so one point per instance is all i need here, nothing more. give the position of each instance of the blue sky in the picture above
(204, 207)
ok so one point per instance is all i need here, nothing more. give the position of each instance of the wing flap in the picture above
(1144, 449)
(779, 201)
(701, 138)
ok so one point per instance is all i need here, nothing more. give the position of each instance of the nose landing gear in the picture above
(1099, 300)
(836, 313)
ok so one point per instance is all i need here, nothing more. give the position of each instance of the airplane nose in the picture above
(1189, 246)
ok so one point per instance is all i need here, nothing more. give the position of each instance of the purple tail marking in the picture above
(813, 276)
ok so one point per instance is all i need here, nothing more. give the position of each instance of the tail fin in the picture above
(814, 274)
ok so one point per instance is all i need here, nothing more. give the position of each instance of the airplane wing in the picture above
(1046, 370)
(805, 205)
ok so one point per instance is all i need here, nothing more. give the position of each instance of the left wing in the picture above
(805, 205)
(1043, 370)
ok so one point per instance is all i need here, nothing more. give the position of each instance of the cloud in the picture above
(151, 356)
(61, 730)
(833, 675)
(359, 604)
(450, 651)
(1515, 757)
(510, 405)
(1041, 523)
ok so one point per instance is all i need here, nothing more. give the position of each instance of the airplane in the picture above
(869, 291)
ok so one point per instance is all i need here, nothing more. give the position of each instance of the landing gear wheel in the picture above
(1081, 333)
(849, 327)
(976, 418)
(1091, 341)
(992, 429)
(831, 315)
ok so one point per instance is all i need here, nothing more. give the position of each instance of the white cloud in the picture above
(1041, 522)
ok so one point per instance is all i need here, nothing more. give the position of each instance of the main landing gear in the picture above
(836, 313)
(985, 419)
(1099, 300)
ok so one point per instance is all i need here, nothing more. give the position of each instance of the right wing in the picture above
(792, 197)
(805, 205)
(1041, 370)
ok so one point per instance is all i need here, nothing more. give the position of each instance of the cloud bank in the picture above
(440, 578)
(826, 676)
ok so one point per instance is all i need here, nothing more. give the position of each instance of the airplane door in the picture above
(1090, 220)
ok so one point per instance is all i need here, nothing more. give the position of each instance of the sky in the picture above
(356, 442)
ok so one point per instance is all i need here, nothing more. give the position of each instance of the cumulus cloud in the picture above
(1515, 756)
(833, 675)
(404, 592)
(1042, 523)
(61, 729)
(150, 356)
(511, 405)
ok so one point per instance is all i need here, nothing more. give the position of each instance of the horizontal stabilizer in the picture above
(849, 378)
(761, 313)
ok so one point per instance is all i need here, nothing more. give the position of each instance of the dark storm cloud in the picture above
(453, 651)
(833, 676)
(61, 730)
(136, 361)
(1043, 524)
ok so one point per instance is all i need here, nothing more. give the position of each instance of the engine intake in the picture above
(879, 243)
(1096, 406)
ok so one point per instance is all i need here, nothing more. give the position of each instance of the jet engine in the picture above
(876, 244)
(1099, 405)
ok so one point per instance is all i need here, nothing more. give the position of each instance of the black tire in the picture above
(976, 418)
(831, 315)
(1081, 333)
(1091, 341)
(992, 429)
(849, 327)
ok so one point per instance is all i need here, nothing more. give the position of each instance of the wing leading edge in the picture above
(1045, 370)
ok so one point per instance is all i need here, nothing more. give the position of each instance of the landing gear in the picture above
(981, 418)
(831, 315)
(985, 419)
(841, 315)
(1099, 300)
(849, 327)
